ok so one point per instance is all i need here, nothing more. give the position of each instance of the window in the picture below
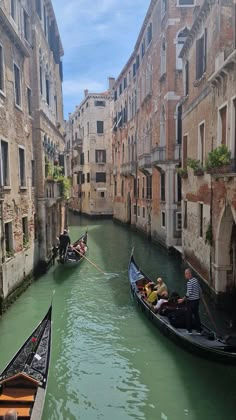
(163, 7)
(234, 124)
(13, 9)
(149, 186)
(41, 79)
(25, 230)
(143, 48)
(201, 51)
(143, 212)
(163, 57)
(33, 172)
(100, 127)
(201, 220)
(22, 166)
(163, 219)
(143, 188)
(47, 91)
(223, 125)
(185, 214)
(29, 99)
(100, 176)
(125, 83)
(38, 8)
(135, 210)
(4, 164)
(17, 85)
(163, 127)
(8, 239)
(2, 78)
(201, 142)
(163, 186)
(178, 221)
(149, 34)
(99, 103)
(137, 62)
(186, 78)
(100, 156)
(102, 194)
(82, 158)
(134, 69)
(185, 2)
(138, 211)
(185, 151)
(115, 95)
(179, 188)
(120, 89)
(26, 25)
(87, 128)
(180, 40)
(179, 124)
(88, 177)
(138, 189)
(45, 20)
(122, 188)
(115, 188)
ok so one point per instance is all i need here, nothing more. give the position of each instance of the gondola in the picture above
(72, 257)
(207, 345)
(23, 382)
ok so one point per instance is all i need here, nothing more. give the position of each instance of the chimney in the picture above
(111, 81)
(86, 92)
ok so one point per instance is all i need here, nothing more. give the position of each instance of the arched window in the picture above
(163, 127)
(180, 40)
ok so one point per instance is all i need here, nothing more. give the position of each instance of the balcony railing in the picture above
(144, 161)
(53, 191)
(77, 143)
(158, 155)
(128, 168)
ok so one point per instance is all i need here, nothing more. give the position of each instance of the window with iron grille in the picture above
(100, 156)
(99, 103)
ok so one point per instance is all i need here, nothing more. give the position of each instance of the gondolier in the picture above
(192, 299)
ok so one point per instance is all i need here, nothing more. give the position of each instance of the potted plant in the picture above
(196, 165)
(218, 160)
(182, 172)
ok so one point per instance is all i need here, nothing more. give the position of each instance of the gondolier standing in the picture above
(64, 242)
(192, 299)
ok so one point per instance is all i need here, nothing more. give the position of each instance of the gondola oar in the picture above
(210, 315)
(82, 255)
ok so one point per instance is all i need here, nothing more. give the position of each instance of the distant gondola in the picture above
(23, 382)
(207, 345)
(72, 256)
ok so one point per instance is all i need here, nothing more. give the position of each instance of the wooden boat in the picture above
(72, 257)
(207, 345)
(23, 382)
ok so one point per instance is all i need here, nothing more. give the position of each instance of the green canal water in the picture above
(108, 361)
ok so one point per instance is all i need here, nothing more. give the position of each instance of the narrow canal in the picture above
(108, 361)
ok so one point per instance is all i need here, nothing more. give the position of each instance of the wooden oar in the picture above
(82, 255)
(210, 315)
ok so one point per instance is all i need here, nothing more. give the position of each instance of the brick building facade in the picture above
(89, 154)
(147, 124)
(25, 120)
(209, 120)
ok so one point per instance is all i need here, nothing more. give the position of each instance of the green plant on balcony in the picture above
(209, 235)
(25, 242)
(218, 158)
(65, 187)
(182, 172)
(196, 165)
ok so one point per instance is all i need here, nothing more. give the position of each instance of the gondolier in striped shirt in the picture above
(192, 299)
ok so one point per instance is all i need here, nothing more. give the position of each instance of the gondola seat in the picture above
(22, 412)
(18, 394)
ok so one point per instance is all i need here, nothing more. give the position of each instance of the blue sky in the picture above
(98, 37)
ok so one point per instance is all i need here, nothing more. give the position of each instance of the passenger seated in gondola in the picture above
(170, 305)
(81, 247)
(151, 293)
(161, 288)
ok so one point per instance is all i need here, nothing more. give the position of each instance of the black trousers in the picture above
(193, 314)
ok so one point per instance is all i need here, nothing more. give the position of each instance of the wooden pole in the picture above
(82, 255)
(210, 315)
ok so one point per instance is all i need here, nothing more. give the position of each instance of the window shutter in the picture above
(205, 51)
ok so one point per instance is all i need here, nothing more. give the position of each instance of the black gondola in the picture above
(73, 256)
(207, 345)
(23, 382)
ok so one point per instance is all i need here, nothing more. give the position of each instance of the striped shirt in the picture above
(193, 289)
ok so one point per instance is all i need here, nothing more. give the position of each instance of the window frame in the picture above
(163, 219)
(178, 214)
(2, 70)
(101, 123)
(22, 148)
(8, 184)
(17, 90)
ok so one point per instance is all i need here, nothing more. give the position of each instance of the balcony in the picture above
(128, 169)
(158, 155)
(144, 162)
(226, 171)
(77, 144)
(53, 191)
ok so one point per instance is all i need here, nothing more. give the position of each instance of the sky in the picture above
(98, 37)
